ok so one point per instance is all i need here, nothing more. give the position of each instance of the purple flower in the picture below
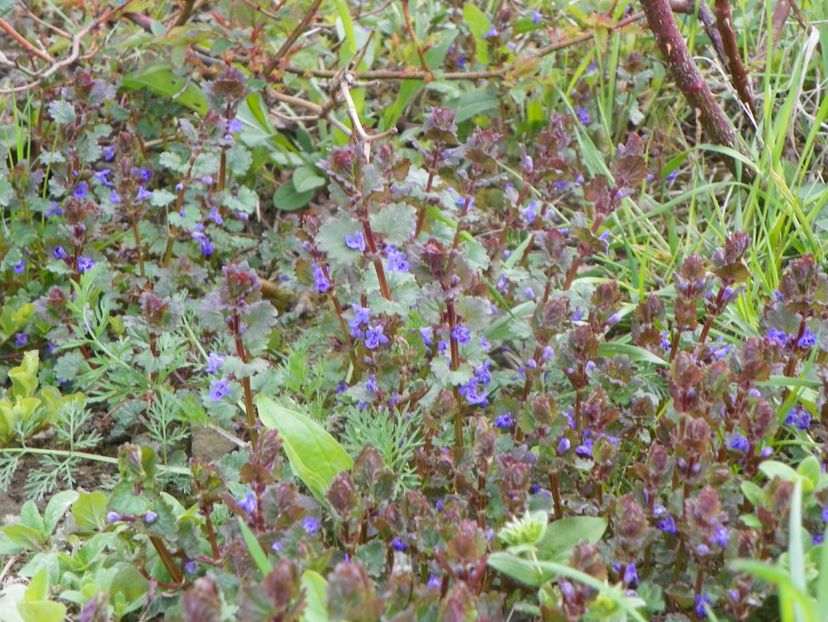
(113, 517)
(720, 536)
(81, 190)
(102, 177)
(577, 315)
(207, 247)
(807, 340)
(108, 153)
(583, 115)
(362, 315)
(321, 282)
(114, 197)
(502, 285)
(356, 241)
(504, 421)
(374, 337)
(536, 18)
(614, 319)
(721, 351)
(310, 525)
(143, 174)
(21, 339)
(427, 335)
(585, 449)
(485, 344)
(630, 576)
(214, 362)
(218, 389)
(667, 525)
(190, 566)
(54, 210)
(739, 443)
(492, 32)
(85, 264)
(702, 600)
(397, 261)
(817, 539)
(215, 216)
(143, 194)
(799, 418)
(561, 185)
(472, 393)
(563, 446)
(671, 177)
(206, 180)
(434, 581)
(777, 337)
(20, 266)
(150, 517)
(249, 504)
(529, 293)
(235, 125)
(276, 547)
(825, 514)
(398, 544)
(371, 383)
(754, 393)
(530, 212)
(703, 549)
(461, 334)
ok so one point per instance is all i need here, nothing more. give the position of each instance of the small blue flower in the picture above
(397, 260)
(85, 264)
(825, 514)
(218, 389)
(310, 525)
(536, 18)
(817, 539)
(356, 241)
(114, 197)
(461, 334)
(113, 517)
(807, 340)
(583, 115)
(21, 339)
(530, 212)
(150, 517)
(321, 282)
(190, 566)
(799, 418)
(81, 190)
(20, 266)
(702, 600)
(577, 315)
(739, 443)
(630, 576)
(214, 362)
(371, 384)
(249, 504)
(108, 153)
(563, 446)
(143, 194)
(235, 125)
(102, 177)
(374, 337)
(215, 216)
(492, 32)
(398, 544)
(472, 393)
(585, 449)
(54, 210)
(667, 525)
(504, 421)
(434, 581)
(362, 315)
(720, 536)
(207, 247)
(502, 285)
(778, 337)
(614, 319)
(427, 335)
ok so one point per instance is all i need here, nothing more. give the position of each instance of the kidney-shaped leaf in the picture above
(315, 456)
(562, 535)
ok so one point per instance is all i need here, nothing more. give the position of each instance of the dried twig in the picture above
(738, 75)
(362, 135)
(292, 37)
(25, 43)
(687, 76)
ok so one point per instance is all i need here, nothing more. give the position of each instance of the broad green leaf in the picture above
(305, 179)
(752, 492)
(523, 570)
(479, 25)
(24, 376)
(35, 606)
(396, 222)
(512, 326)
(56, 508)
(255, 549)
(809, 470)
(315, 456)
(773, 468)
(316, 593)
(23, 536)
(161, 80)
(474, 103)
(89, 510)
(636, 354)
(288, 199)
(562, 535)
(331, 240)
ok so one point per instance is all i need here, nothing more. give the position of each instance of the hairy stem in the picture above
(738, 75)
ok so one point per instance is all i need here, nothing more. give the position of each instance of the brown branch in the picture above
(738, 75)
(9, 29)
(410, 28)
(186, 12)
(687, 76)
(292, 37)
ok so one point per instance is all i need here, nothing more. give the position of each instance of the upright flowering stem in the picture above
(432, 171)
(137, 237)
(372, 246)
(167, 559)
(455, 363)
(241, 352)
